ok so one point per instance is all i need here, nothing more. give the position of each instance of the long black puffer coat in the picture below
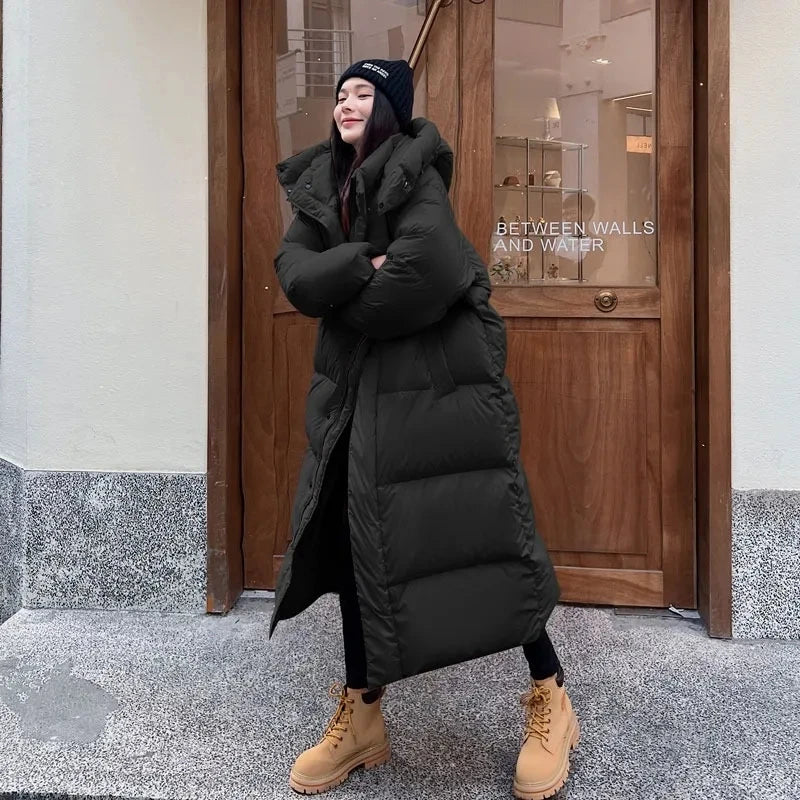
(447, 559)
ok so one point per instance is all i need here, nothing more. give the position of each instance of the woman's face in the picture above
(354, 102)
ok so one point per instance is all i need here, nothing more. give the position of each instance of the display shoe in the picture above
(551, 731)
(356, 734)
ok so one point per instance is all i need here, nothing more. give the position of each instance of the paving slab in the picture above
(166, 706)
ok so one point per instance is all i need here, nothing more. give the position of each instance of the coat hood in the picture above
(388, 174)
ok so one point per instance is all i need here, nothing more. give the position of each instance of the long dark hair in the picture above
(381, 124)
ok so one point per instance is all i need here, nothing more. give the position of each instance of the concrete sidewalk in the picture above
(149, 705)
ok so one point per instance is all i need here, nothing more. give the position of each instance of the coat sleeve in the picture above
(317, 280)
(424, 273)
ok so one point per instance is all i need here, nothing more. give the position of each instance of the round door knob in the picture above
(606, 300)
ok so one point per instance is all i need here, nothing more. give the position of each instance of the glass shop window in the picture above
(574, 165)
(317, 40)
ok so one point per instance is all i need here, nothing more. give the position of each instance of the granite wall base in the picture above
(11, 539)
(766, 564)
(138, 541)
(115, 540)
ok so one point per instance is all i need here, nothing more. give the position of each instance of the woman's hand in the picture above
(377, 261)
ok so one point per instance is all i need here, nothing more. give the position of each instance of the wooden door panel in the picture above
(587, 411)
(294, 337)
(619, 587)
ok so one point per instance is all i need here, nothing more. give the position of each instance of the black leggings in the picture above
(540, 655)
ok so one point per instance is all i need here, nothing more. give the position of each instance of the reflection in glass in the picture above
(316, 42)
(574, 166)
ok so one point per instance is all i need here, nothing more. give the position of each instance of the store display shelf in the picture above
(536, 188)
(546, 144)
(520, 162)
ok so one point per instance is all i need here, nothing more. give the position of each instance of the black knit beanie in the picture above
(394, 78)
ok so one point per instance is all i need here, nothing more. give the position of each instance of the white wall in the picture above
(105, 226)
(765, 244)
(14, 340)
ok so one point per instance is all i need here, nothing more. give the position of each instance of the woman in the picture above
(412, 503)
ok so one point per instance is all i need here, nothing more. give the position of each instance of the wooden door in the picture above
(292, 53)
(600, 352)
(602, 370)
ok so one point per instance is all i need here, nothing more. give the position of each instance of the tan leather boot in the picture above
(356, 734)
(551, 731)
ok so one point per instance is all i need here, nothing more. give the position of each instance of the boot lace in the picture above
(341, 717)
(536, 702)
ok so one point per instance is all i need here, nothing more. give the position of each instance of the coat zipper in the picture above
(303, 522)
(341, 405)
(353, 357)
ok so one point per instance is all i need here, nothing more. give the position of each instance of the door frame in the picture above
(227, 99)
(712, 226)
(224, 501)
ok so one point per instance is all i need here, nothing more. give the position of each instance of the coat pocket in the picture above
(441, 377)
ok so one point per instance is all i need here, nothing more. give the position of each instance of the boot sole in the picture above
(369, 758)
(541, 793)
